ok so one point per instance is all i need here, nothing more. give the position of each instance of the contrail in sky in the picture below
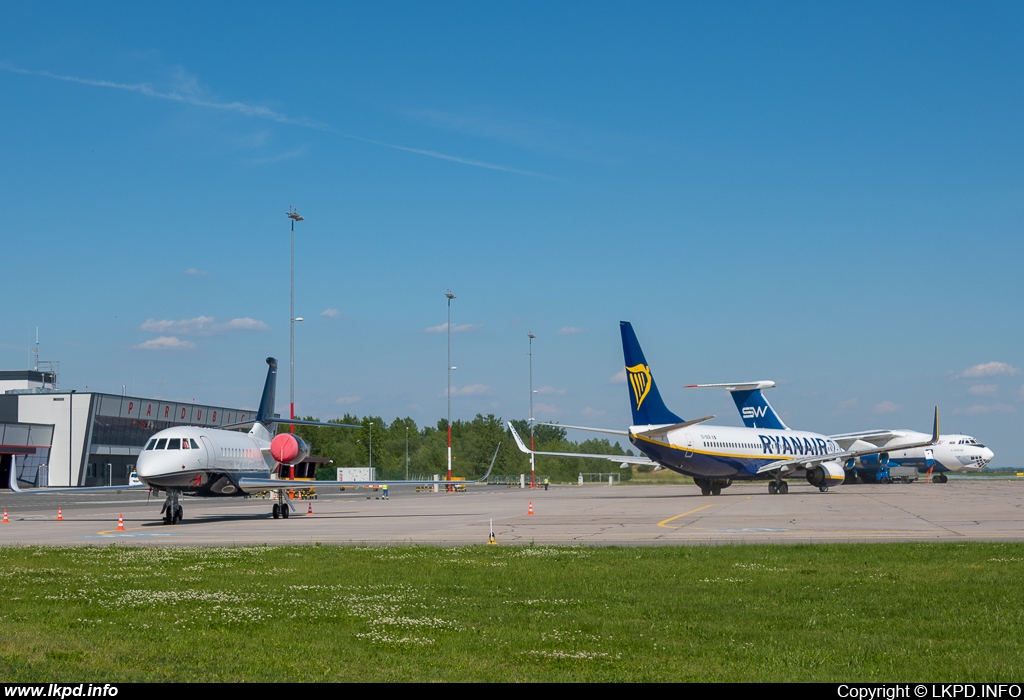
(250, 110)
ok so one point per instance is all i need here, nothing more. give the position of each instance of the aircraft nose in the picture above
(987, 455)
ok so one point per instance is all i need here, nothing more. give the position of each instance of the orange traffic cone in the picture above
(530, 512)
(5, 515)
(120, 522)
(60, 515)
(310, 511)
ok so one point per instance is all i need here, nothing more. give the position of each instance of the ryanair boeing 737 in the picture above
(716, 456)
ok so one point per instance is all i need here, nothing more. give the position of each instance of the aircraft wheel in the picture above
(284, 510)
(276, 511)
(940, 478)
(177, 516)
(773, 488)
(167, 517)
(783, 487)
(823, 489)
(716, 490)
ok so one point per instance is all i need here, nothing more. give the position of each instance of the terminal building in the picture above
(55, 437)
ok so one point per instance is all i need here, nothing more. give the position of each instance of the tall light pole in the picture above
(533, 481)
(448, 294)
(371, 450)
(407, 453)
(294, 216)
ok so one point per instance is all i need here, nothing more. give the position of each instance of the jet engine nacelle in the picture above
(826, 474)
(877, 460)
(289, 449)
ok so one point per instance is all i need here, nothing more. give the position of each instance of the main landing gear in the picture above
(939, 478)
(281, 507)
(172, 510)
(778, 486)
(712, 487)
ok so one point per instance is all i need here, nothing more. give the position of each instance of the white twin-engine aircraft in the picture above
(954, 452)
(203, 461)
(713, 455)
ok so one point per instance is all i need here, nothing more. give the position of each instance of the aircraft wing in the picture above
(875, 437)
(621, 459)
(13, 486)
(583, 427)
(802, 462)
(290, 484)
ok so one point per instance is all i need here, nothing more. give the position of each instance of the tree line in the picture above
(473, 445)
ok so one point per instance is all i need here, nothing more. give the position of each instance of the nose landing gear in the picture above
(172, 510)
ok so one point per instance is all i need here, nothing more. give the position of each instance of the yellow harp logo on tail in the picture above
(640, 380)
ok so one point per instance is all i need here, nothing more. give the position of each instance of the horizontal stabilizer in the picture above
(662, 429)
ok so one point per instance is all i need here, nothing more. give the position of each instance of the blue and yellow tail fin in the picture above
(644, 397)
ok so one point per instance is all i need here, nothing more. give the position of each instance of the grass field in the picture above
(937, 612)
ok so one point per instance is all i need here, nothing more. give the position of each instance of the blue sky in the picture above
(824, 194)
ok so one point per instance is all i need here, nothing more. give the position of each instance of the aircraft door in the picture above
(208, 446)
(689, 445)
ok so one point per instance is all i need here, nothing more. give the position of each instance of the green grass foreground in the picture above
(888, 612)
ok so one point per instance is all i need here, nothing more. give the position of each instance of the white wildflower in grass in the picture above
(753, 566)
(576, 655)
(376, 637)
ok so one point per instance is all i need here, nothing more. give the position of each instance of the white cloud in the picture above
(593, 412)
(187, 90)
(345, 400)
(619, 377)
(888, 407)
(983, 389)
(245, 324)
(330, 313)
(166, 343)
(550, 390)
(546, 410)
(993, 408)
(571, 330)
(471, 390)
(456, 328)
(202, 326)
(844, 406)
(991, 369)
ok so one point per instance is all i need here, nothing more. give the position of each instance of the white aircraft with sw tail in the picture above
(953, 452)
(716, 456)
(215, 462)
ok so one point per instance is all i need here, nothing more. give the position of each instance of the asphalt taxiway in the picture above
(565, 515)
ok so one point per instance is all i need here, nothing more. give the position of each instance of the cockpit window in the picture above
(160, 444)
(150, 444)
(174, 444)
(195, 446)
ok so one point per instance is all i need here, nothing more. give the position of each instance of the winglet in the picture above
(485, 476)
(935, 427)
(14, 478)
(519, 440)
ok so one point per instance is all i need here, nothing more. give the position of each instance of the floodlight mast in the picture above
(448, 294)
(533, 480)
(294, 216)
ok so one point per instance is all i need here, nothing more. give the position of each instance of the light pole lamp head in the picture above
(294, 215)
(530, 335)
(449, 295)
